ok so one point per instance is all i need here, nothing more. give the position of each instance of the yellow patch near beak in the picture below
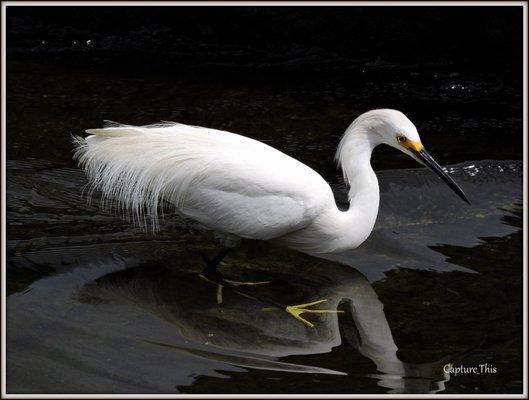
(411, 145)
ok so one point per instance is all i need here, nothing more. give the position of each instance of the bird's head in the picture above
(391, 127)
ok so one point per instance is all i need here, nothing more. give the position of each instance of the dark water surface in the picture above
(97, 306)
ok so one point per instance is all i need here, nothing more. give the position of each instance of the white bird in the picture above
(245, 188)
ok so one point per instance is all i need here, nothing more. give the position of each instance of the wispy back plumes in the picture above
(139, 168)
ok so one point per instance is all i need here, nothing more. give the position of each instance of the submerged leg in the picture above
(212, 264)
(233, 284)
(299, 309)
(212, 274)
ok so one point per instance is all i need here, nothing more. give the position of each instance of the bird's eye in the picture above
(401, 138)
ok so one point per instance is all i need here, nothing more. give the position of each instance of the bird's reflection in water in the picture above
(250, 327)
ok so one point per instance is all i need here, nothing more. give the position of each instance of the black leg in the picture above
(211, 270)
(218, 258)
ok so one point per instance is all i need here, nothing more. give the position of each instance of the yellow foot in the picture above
(233, 283)
(296, 311)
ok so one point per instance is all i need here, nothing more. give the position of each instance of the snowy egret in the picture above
(244, 188)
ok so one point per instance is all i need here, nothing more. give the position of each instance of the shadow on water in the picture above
(165, 307)
(96, 306)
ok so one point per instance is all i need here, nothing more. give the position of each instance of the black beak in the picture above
(424, 157)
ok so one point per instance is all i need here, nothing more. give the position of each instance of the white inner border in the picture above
(5, 4)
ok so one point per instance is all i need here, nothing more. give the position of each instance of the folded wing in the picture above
(225, 181)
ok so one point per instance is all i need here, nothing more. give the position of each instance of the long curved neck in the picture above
(364, 194)
(356, 166)
(335, 231)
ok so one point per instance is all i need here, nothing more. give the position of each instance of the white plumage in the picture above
(208, 175)
(237, 185)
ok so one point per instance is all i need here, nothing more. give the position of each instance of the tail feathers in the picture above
(139, 168)
(135, 180)
(140, 171)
